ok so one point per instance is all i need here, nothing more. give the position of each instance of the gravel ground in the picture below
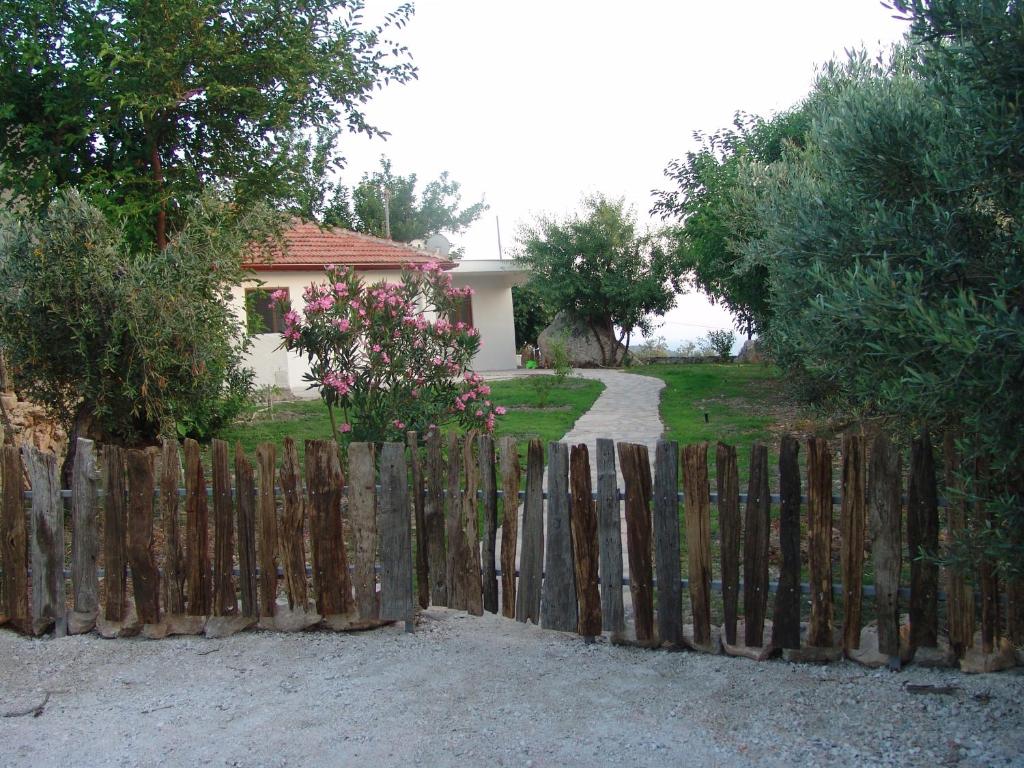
(479, 691)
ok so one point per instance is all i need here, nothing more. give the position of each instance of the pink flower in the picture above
(279, 295)
(341, 323)
(345, 427)
(500, 410)
(398, 424)
(376, 347)
(479, 413)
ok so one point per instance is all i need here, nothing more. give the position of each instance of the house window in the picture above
(463, 311)
(261, 315)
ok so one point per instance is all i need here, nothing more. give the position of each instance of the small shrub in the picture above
(720, 343)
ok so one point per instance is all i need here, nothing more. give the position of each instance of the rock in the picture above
(868, 654)
(179, 624)
(81, 622)
(714, 647)
(33, 427)
(286, 619)
(755, 653)
(750, 352)
(810, 654)
(350, 622)
(976, 661)
(582, 345)
(940, 657)
(225, 626)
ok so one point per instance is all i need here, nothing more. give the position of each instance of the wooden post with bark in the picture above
(730, 531)
(433, 521)
(489, 489)
(960, 608)
(245, 493)
(697, 509)
(610, 535)
(884, 508)
(46, 542)
(852, 524)
(291, 529)
(531, 559)
(197, 536)
(332, 585)
(819, 542)
(115, 535)
(173, 583)
(13, 540)
(145, 576)
(419, 512)
(559, 609)
(85, 545)
(509, 524)
(224, 602)
(636, 474)
(786, 619)
(362, 512)
(583, 521)
(923, 544)
(453, 525)
(469, 570)
(266, 510)
(667, 544)
(755, 548)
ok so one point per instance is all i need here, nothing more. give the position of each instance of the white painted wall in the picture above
(492, 316)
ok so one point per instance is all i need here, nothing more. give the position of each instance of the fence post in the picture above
(755, 549)
(47, 543)
(698, 539)
(667, 545)
(174, 565)
(610, 528)
(266, 459)
(819, 542)
(115, 535)
(559, 609)
(332, 585)
(245, 492)
(636, 473)
(224, 602)
(923, 540)
(145, 576)
(532, 558)
(728, 486)
(852, 525)
(489, 487)
(290, 532)
(396, 536)
(884, 506)
(362, 511)
(419, 512)
(14, 540)
(786, 619)
(453, 525)
(470, 559)
(85, 544)
(960, 609)
(583, 522)
(433, 521)
(509, 524)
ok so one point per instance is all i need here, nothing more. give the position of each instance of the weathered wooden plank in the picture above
(609, 525)
(332, 584)
(224, 600)
(456, 554)
(730, 529)
(85, 543)
(115, 534)
(923, 544)
(667, 545)
(886, 548)
(988, 579)
(698, 538)
(266, 510)
(509, 524)
(960, 606)
(395, 535)
(852, 524)
(245, 493)
(489, 489)
(47, 542)
(433, 521)
(419, 510)
(636, 475)
(531, 559)
(470, 570)
(820, 632)
(291, 529)
(197, 535)
(583, 522)
(362, 510)
(14, 540)
(559, 609)
(145, 576)
(175, 576)
(786, 618)
(755, 548)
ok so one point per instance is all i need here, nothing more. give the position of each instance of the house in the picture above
(308, 248)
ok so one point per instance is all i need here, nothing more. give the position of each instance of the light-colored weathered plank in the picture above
(820, 632)
(667, 543)
(531, 559)
(610, 537)
(698, 538)
(509, 524)
(245, 493)
(396, 601)
(173, 582)
(583, 517)
(47, 542)
(362, 510)
(85, 543)
(145, 576)
(558, 604)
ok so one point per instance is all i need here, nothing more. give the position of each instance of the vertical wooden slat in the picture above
(47, 542)
(453, 525)
(786, 618)
(489, 489)
(145, 576)
(85, 544)
(433, 521)
(558, 606)
(291, 529)
(509, 524)
(886, 547)
(362, 511)
(923, 544)
(14, 540)
(470, 571)
(115, 535)
(174, 579)
(583, 521)
(755, 548)
(609, 524)
(960, 608)
(819, 542)
(636, 474)
(395, 535)
(698, 538)
(266, 460)
(988, 578)
(667, 544)
(531, 559)
(852, 517)
(419, 512)
(224, 601)
(245, 492)
(730, 532)
(324, 482)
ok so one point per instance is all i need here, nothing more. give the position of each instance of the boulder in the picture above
(750, 352)
(582, 344)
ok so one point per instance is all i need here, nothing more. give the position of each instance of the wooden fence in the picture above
(398, 529)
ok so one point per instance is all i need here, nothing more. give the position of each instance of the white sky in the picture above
(532, 104)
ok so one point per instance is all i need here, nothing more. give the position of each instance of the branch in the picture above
(35, 711)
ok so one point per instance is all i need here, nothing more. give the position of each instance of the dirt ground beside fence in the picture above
(478, 691)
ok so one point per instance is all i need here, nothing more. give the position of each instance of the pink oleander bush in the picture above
(386, 358)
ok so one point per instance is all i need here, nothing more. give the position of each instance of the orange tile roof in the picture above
(308, 247)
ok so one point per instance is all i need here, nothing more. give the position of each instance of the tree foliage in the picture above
(530, 314)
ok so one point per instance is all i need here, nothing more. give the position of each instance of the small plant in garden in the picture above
(558, 359)
(387, 357)
(720, 343)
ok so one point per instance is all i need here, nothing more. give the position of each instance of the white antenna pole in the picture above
(497, 223)
(386, 193)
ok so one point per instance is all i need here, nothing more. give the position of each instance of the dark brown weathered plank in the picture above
(419, 510)
(636, 475)
(730, 532)
(266, 512)
(886, 546)
(531, 558)
(13, 540)
(755, 548)
(115, 534)
(489, 491)
(362, 512)
(923, 544)
(173, 582)
(583, 523)
(786, 618)
(960, 606)
(667, 543)
(332, 584)
(46, 516)
(852, 524)
(224, 600)
(609, 523)
(456, 535)
(433, 521)
(469, 572)
(145, 576)
(698, 538)
(245, 493)
(509, 524)
(988, 578)
(820, 631)
(85, 543)
(558, 604)
(396, 600)
(291, 529)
